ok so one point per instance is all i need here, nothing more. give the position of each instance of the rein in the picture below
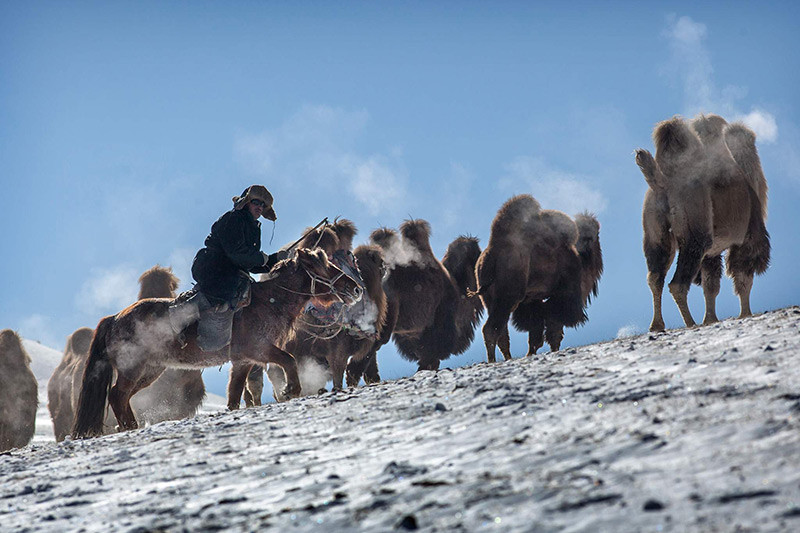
(325, 282)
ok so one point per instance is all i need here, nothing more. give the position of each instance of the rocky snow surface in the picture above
(689, 430)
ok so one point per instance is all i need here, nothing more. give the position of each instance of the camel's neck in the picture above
(289, 291)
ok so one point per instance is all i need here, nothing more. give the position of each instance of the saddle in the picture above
(214, 317)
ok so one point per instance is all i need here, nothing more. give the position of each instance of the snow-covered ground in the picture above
(688, 430)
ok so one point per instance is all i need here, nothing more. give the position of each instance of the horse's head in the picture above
(328, 283)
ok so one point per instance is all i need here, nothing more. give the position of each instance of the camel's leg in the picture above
(554, 333)
(504, 343)
(689, 258)
(496, 325)
(371, 374)
(711, 271)
(236, 382)
(337, 368)
(278, 379)
(658, 261)
(535, 335)
(742, 284)
(428, 364)
(255, 387)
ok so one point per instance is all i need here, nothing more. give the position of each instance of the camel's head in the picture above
(345, 230)
(328, 283)
(588, 232)
(371, 265)
(79, 342)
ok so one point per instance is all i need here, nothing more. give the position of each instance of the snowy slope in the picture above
(688, 430)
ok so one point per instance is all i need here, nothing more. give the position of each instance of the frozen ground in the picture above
(689, 430)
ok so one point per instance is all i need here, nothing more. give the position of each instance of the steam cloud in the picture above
(109, 290)
(691, 63)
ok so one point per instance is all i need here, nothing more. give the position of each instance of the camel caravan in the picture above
(322, 308)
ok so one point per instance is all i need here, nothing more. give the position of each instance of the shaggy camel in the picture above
(428, 314)
(176, 394)
(139, 342)
(707, 194)
(18, 393)
(532, 268)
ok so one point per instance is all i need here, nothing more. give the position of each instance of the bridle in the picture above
(325, 282)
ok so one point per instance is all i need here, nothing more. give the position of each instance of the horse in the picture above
(176, 394)
(139, 342)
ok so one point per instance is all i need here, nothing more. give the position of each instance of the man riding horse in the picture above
(222, 269)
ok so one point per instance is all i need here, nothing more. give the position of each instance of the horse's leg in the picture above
(711, 272)
(274, 355)
(119, 397)
(236, 380)
(255, 387)
(554, 333)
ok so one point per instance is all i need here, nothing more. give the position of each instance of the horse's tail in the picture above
(96, 382)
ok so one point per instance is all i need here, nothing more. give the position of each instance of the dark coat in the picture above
(232, 249)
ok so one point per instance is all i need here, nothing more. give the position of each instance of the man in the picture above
(221, 268)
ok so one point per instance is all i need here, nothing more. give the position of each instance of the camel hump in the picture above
(383, 237)
(416, 231)
(563, 227)
(518, 213)
(709, 127)
(345, 229)
(11, 350)
(741, 141)
(80, 340)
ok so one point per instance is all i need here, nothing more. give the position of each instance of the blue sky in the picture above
(125, 128)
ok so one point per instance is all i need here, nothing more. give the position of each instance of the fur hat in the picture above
(256, 192)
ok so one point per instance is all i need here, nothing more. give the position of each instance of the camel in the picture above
(18, 393)
(533, 272)
(176, 394)
(428, 314)
(139, 342)
(707, 194)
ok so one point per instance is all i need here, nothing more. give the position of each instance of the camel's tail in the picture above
(753, 255)
(96, 382)
(647, 164)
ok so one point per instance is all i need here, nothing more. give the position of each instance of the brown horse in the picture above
(176, 394)
(530, 265)
(324, 238)
(707, 194)
(429, 315)
(139, 342)
(18, 393)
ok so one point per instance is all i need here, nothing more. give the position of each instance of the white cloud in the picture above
(315, 147)
(762, 123)
(554, 189)
(109, 291)
(40, 328)
(691, 64)
(181, 262)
